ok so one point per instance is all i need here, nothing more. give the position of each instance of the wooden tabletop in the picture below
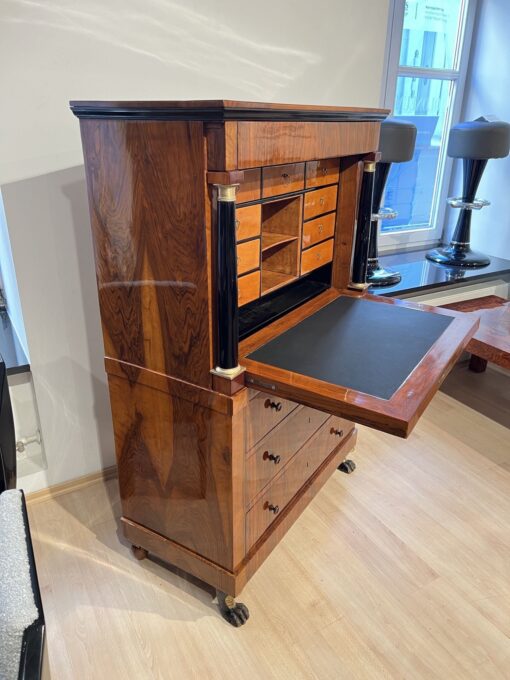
(492, 340)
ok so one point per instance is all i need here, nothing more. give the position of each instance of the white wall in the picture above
(327, 51)
(487, 93)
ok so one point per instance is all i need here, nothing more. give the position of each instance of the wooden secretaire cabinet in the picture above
(241, 346)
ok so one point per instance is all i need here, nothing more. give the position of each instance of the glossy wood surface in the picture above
(263, 414)
(153, 293)
(282, 179)
(248, 222)
(271, 143)
(396, 415)
(317, 256)
(346, 215)
(250, 188)
(278, 448)
(318, 229)
(248, 287)
(221, 142)
(319, 201)
(325, 171)
(181, 469)
(492, 339)
(280, 491)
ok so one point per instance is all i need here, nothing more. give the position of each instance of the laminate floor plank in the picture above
(398, 571)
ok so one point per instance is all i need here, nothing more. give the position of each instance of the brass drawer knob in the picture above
(338, 433)
(320, 228)
(275, 405)
(271, 456)
(321, 201)
(273, 508)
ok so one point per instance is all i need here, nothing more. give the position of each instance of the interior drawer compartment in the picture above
(248, 288)
(316, 256)
(249, 189)
(286, 485)
(319, 173)
(278, 447)
(248, 256)
(282, 179)
(248, 222)
(318, 229)
(319, 201)
(264, 413)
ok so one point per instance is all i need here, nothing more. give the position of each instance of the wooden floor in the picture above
(400, 570)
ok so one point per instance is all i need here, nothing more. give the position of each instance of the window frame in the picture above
(415, 238)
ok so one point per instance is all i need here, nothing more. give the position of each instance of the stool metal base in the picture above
(380, 277)
(458, 256)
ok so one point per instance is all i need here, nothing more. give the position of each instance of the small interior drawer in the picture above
(282, 179)
(248, 288)
(248, 256)
(319, 202)
(317, 256)
(249, 189)
(263, 414)
(318, 230)
(276, 449)
(248, 222)
(287, 484)
(319, 173)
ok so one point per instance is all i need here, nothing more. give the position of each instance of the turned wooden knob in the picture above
(339, 433)
(276, 405)
(273, 508)
(271, 456)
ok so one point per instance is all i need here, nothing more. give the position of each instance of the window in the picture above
(426, 63)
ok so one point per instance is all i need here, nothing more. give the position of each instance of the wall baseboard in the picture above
(72, 485)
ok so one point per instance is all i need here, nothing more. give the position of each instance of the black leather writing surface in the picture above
(367, 346)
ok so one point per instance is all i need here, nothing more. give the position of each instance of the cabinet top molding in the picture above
(222, 110)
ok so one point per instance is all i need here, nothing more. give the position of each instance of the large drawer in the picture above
(264, 413)
(278, 447)
(288, 483)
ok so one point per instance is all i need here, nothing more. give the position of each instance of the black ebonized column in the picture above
(227, 315)
(458, 253)
(362, 238)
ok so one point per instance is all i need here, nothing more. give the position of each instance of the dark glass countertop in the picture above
(16, 361)
(419, 274)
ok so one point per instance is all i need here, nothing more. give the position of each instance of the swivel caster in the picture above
(236, 613)
(347, 466)
(139, 553)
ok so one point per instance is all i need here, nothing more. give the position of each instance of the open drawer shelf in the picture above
(273, 280)
(273, 239)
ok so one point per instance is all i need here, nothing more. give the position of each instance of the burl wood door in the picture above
(376, 361)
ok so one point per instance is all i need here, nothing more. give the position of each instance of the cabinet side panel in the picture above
(178, 471)
(146, 184)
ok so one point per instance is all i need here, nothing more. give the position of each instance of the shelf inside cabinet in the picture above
(274, 239)
(273, 280)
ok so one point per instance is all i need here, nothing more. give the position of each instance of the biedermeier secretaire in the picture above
(241, 345)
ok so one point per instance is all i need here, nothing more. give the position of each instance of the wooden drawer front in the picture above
(248, 222)
(320, 201)
(248, 288)
(288, 483)
(316, 256)
(319, 173)
(249, 190)
(280, 445)
(282, 179)
(248, 256)
(318, 229)
(264, 413)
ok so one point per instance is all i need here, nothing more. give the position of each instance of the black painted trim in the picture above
(32, 646)
(217, 114)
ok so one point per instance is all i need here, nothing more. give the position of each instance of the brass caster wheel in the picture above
(347, 466)
(236, 613)
(139, 553)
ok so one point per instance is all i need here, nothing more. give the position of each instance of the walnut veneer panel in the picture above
(153, 292)
(268, 143)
